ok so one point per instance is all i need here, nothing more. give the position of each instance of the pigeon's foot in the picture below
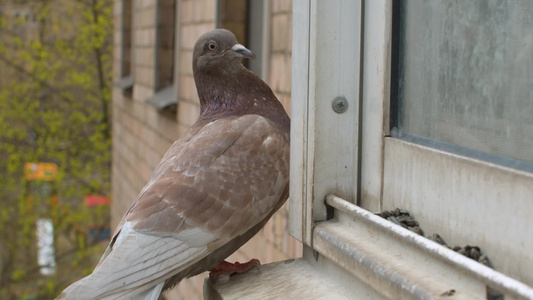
(227, 268)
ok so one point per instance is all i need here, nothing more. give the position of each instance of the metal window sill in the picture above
(400, 264)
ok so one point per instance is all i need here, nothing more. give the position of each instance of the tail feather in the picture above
(153, 294)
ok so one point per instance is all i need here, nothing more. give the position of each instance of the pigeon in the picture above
(213, 190)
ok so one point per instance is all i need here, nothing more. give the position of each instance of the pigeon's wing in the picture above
(210, 187)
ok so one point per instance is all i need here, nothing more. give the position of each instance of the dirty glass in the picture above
(465, 74)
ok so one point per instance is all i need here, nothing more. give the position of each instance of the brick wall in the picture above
(279, 78)
(141, 134)
(194, 18)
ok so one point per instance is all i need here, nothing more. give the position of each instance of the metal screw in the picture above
(339, 105)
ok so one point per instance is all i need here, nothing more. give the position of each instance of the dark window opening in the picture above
(166, 34)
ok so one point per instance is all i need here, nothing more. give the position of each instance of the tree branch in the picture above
(32, 76)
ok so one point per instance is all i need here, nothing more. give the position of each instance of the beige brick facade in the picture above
(142, 134)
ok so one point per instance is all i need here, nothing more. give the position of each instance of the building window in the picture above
(166, 35)
(126, 79)
(164, 98)
(126, 38)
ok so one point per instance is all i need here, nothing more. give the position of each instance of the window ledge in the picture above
(163, 99)
(124, 83)
(290, 279)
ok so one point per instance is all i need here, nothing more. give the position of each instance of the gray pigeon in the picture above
(214, 189)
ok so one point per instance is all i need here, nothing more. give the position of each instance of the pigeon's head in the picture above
(219, 51)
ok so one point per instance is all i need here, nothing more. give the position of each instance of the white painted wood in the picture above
(334, 58)
(375, 99)
(328, 68)
(298, 208)
(466, 201)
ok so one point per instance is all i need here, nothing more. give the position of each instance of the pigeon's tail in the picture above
(151, 294)
(67, 294)
(138, 266)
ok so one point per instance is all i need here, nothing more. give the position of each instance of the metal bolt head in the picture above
(339, 105)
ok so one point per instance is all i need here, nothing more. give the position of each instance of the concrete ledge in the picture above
(163, 99)
(124, 83)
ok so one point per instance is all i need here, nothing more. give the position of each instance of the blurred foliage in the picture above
(55, 76)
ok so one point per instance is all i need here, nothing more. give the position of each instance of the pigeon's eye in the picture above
(212, 46)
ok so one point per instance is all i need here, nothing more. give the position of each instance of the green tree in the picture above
(55, 62)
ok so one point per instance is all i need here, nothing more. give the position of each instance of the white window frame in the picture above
(350, 155)
(325, 65)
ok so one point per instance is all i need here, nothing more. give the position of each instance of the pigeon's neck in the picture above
(218, 93)
(237, 94)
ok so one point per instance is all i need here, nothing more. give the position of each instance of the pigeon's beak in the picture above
(242, 51)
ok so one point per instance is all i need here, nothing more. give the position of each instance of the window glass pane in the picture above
(465, 74)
